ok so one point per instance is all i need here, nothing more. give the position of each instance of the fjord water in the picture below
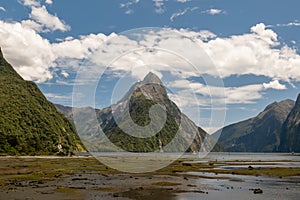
(236, 187)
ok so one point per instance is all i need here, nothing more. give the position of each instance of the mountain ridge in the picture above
(261, 133)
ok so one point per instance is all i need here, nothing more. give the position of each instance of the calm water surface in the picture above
(236, 187)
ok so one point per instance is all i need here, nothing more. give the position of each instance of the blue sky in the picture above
(254, 45)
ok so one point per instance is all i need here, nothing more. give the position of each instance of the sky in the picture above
(222, 61)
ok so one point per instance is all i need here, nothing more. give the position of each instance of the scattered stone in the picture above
(257, 191)
(115, 195)
(57, 175)
(79, 179)
(78, 188)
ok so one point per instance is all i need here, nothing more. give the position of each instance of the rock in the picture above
(257, 191)
(115, 195)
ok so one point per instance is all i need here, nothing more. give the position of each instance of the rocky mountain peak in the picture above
(151, 78)
(282, 104)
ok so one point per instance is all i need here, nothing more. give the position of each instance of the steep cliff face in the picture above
(258, 134)
(29, 124)
(290, 135)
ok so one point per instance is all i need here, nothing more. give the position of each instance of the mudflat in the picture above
(85, 177)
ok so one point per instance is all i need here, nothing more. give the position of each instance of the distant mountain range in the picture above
(29, 123)
(276, 129)
(140, 97)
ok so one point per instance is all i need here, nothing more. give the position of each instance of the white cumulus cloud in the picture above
(30, 54)
(274, 85)
(51, 22)
(35, 58)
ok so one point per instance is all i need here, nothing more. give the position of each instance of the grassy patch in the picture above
(66, 190)
(19, 168)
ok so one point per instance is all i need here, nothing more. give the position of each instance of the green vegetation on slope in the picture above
(139, 111)
(29, 123)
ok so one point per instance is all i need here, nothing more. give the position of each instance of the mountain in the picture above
(290, 136)
(258, 134)
(29, 123)
(131, 115)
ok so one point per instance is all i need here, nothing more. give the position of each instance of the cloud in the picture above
(182, 1)
(49, 2)
(2, 9)
(159, 6)
(41, 20)
(213, 11)
(128, 6)
(231, 95)
(50, 22)
(295, 23)
(30, 24)
(181, 13)
(30, 3)
(35, 58)
(255, 53)
(274, 85)
(65, 74)
(28, 52)
(63, 99)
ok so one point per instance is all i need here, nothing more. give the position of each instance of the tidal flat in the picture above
(217, 176)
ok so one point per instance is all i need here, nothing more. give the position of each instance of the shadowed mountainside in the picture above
(258, 134)
(290, 136)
